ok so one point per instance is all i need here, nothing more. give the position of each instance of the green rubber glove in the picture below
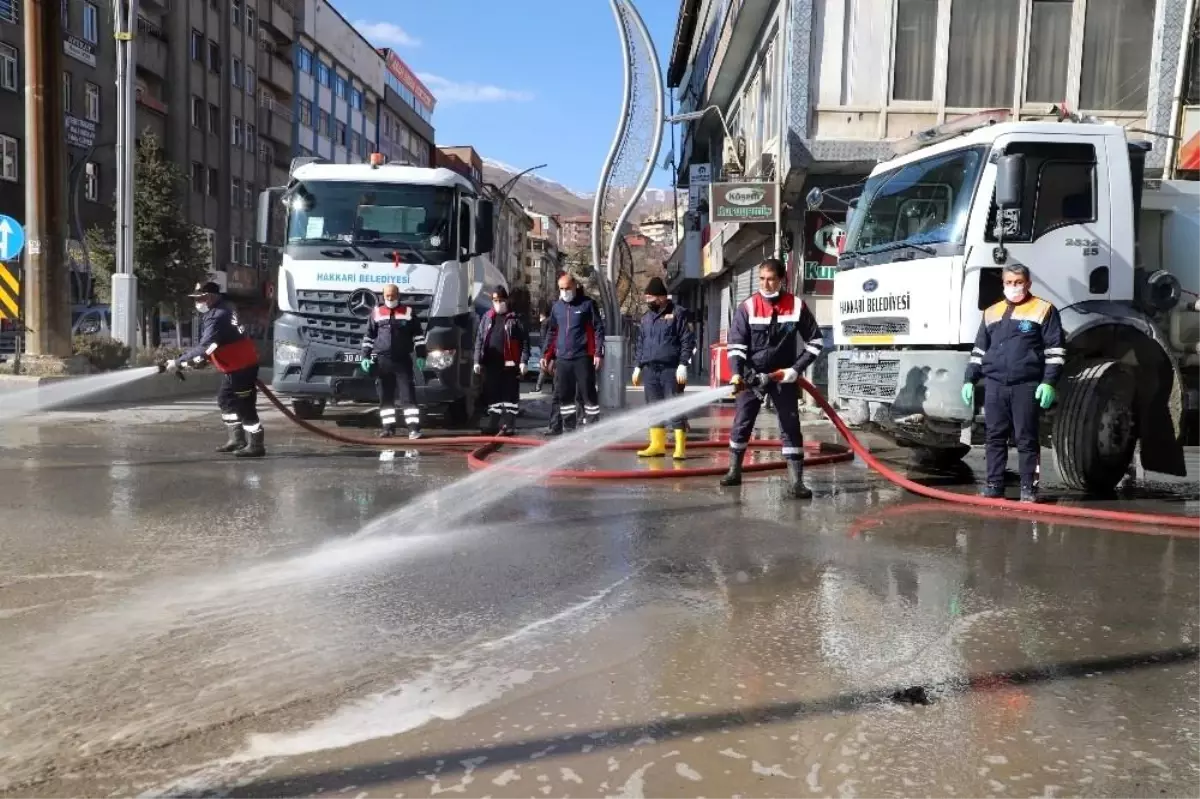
(968, 393)
(1045, 395)
(365, 365)
(420, 364)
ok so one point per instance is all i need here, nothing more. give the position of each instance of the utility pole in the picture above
(47, 292)
(124, 282)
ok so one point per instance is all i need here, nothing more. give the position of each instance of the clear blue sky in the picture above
(524, 81)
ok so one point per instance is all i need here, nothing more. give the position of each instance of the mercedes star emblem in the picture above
(362, 302)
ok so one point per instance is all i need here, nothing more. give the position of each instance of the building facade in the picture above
(544, 258)
(463, 160)
(406, 115)
(816, 92)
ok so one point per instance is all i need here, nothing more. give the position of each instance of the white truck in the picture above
(1117, 254)
(346, 231)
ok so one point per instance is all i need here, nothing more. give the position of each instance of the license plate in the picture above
(864, 356)
(352, 357)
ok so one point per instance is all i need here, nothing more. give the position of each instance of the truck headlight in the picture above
(440, 359)
(288, 353)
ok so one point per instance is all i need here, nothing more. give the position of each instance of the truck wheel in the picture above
(308, 409)
(1095, 431)
(940, 457)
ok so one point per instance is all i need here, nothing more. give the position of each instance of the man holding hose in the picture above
(773, 339)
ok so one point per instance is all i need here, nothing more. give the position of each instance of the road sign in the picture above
(12, 238)
(10, 293)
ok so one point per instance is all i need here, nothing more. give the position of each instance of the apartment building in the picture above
(463, 160)
(406, 114)
(544, 255)
(87, 64)
(577, 234)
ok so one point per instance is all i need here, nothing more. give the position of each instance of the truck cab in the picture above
(925, 247)
(346, 231)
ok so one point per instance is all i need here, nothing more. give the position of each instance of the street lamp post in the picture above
(504, 192)
(124, 282)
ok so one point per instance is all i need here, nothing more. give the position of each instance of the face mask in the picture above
(501, 307)
(202, 307)
(567, 294)
(653, 305)
(1014, 293)
(392, 303)
(770, 295)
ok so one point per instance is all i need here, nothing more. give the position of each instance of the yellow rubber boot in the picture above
(680, 444)
(658, 443)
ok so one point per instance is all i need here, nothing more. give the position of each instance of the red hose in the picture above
(816, 454)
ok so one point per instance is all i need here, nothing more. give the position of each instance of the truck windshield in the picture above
(417, 221)
(922, 203)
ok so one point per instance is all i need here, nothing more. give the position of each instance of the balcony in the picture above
(273, 69)
(151, 48)
(734, 50)
(275, 122)
(280, 15)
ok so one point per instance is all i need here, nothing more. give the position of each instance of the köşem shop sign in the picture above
(743, 202)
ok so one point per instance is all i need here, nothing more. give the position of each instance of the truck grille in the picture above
(869, 380)
(327, 317)
(876, 327)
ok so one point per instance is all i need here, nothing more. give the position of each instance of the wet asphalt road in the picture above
(174, 622)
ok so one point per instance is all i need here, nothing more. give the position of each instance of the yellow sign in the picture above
(10, 295)
(877, 340)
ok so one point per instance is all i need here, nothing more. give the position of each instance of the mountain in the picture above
(550, 197)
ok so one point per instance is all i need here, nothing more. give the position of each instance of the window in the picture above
(9, 162)
(982, 76)
(197, 45)
(767, 97)
(355, 144)
(214, 119)
(323, 123)
(339, 133)
(214, 57)
(65, 9)
(322, 73)
(235, 250)
(912, 68)
(251, 80)
(339, 86)
(249, 249)
(356, 99)
(239, 77)
(1060, 189)
(91, 23)
(305, 112)
(235, 191)
(305, 60)
(197, 177)
(66, 92)
(197, 113)
(91, 181)
(9, 74)
(251, 137)
(1049, 51)
(238, 138)
(251, 22)
(214, 180)
(235, 12)
(1117, 37)
(249, 195)
(91, 102)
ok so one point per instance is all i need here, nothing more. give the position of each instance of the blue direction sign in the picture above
(12, 238)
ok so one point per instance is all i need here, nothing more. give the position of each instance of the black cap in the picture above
(656, 288)
(500, 292)
(205, 288)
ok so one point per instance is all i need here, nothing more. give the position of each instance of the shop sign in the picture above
(81, 51)
(242, 278)
(80, 132)
(699, 178)
(743, 202)
(823, 233)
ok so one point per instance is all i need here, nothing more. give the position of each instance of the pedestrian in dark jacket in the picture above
(393, 335)
(1019, 352)
(501, 357)
(224, 344)
(661, 356)
(575, 345)
(773, 339)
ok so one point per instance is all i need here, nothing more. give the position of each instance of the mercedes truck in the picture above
(926, 243)
(346, 231)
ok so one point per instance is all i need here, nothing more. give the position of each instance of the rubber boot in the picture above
(658, 444)
(237, 439)
(733, 477)
(508, 424)
(255, 448)
(1029, 494)
(414, 432)
(796, 480)
(680, 444)
(992, 492)
(388, 431)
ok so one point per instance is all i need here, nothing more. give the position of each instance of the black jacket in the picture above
(223, 341)
(575, 329)
(393, 333)
(772, 334)
(665, 337)
(1021, 343)
(516, 339)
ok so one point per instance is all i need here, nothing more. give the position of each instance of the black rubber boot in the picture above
(733, 477)
(992, 492)
(1029, 494)
(388, 431)
(508, 425)
(255, 448)
(237, 439)
(550, 432)
(796, 480)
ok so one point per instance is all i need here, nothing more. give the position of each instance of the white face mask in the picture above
(202, 307)
(392, 303)
(770, 295)
(567, 294)
(501, 307)
(1014, 293)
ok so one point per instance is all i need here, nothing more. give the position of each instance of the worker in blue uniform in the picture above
(1019, 354)
(661, 356)
(774, 337)
(575, 345)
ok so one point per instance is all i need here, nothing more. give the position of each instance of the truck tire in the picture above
(940, 457)
(1096, 430)
(308, 409)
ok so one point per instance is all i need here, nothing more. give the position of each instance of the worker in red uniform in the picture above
(224, 344)
(393, 335)
(501, 357)
(773, 339)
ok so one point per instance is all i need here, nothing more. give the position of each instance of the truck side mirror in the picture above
(266, 228)
(1010, 181)
(485, 227)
